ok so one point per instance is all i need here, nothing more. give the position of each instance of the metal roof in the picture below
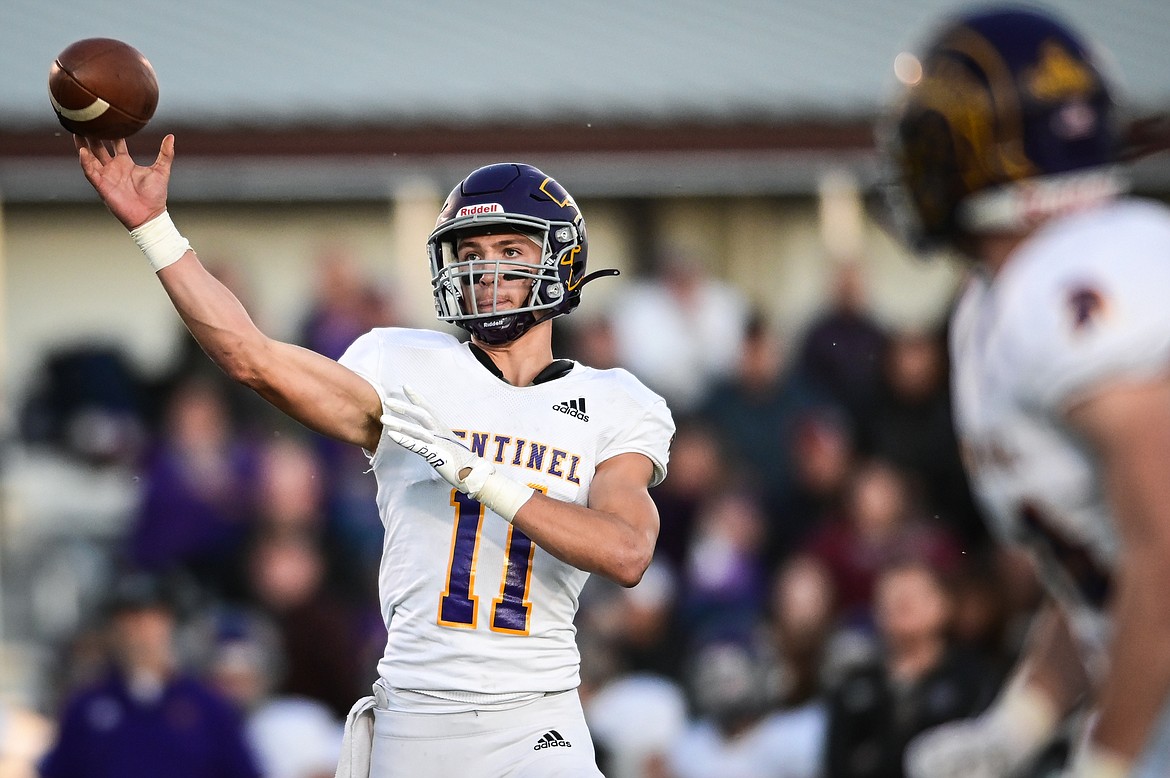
(357, 98)
(257, 62)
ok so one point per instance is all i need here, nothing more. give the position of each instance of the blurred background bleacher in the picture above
(723, 156)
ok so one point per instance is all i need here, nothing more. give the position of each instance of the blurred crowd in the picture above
(823, 587)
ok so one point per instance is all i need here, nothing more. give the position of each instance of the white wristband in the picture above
(160, 241)
(499, 493)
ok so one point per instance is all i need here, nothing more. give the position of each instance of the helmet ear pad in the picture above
(1002, 96)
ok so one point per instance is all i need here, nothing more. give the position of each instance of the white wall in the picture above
(772, 250)
(72, 273)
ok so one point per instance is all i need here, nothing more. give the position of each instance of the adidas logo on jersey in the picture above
(552, 739)
(574, 408)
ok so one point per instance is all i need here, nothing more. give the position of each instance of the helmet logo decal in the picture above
(1001, 153)
(568, 259)
(1058, 75)
(564, 200)
(1085, 305)
(1000, 97)
(479, 210)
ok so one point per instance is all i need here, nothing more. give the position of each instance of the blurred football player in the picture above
(1005, 149)
(505, 476)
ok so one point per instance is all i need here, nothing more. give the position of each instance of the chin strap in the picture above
(609, 271)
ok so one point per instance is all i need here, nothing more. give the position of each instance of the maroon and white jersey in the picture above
(475, 611)
(1081, 304)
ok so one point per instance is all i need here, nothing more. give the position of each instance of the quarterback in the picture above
(497, 503)
(1005, 150)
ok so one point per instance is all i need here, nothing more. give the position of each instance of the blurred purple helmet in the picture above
(1005, 119)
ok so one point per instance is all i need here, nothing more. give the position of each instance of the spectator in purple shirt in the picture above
(197, 493)
(146, 717)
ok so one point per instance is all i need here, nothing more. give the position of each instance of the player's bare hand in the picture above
(133, 193)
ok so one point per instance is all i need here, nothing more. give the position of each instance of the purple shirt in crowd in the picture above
(188, 731)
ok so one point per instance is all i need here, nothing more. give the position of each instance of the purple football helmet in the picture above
(509, 198)
(1007, 119)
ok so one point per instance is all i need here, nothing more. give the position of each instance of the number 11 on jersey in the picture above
(458, 605)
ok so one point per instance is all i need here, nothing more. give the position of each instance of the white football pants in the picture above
(546, 738)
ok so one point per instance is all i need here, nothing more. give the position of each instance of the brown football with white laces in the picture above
(102, 88)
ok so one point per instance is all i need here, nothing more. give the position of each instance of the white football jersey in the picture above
(470, 603)
(1083, 302)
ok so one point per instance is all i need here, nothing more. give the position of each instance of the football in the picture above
(102, 88)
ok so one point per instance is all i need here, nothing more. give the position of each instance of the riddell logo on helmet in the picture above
(480, 210)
